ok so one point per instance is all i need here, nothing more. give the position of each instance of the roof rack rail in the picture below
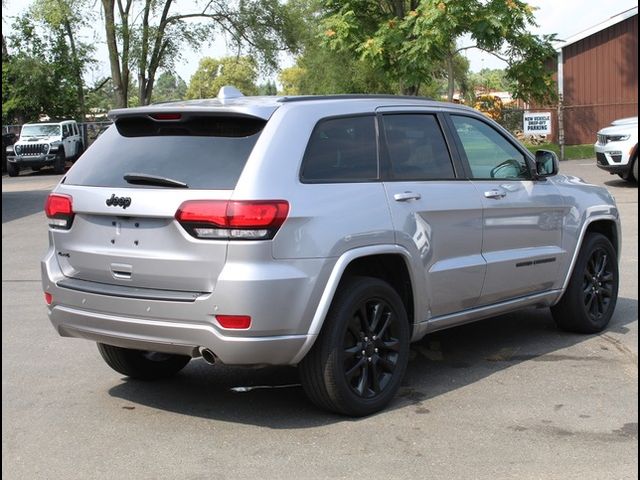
(349, 96)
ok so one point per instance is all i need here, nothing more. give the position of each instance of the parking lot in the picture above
(509, 397)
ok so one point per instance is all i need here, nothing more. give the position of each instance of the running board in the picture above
(544, 299)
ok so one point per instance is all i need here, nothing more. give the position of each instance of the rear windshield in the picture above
(203, 152)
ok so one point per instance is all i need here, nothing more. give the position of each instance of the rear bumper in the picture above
(174, 337)
(280, 297)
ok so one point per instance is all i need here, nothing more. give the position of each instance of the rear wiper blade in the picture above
(146, 179)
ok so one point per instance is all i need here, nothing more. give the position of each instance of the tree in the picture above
(408, 38)
(320, 70)
(68, 15)
(213, 73)
(169, 87)
(38, 78)
(487, 80)
(153, 38)
(268, 88)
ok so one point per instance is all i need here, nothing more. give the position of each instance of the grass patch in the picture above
(571, 152)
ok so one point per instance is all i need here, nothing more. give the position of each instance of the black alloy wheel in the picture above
(598, 284)
(357, 362)
(589, 301)
(371, 347)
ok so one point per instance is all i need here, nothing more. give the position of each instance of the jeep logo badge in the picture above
(114, 201)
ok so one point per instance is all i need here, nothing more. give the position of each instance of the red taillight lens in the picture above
(59, 209)
(257, 214)
(48, 298)
(239, 220)
(234, 321)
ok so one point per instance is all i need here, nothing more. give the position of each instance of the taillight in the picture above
(236, 220)
(48, 298)
(59, 209)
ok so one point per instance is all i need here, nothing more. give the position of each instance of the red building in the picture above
(598, 76)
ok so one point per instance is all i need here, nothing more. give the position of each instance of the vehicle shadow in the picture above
(620, 183)
(441, 362)
(16, 205)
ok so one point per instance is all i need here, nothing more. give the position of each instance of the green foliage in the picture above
(38, 77)
(268, 88)
(320, 70)
(571, 152)
(213, 73)
(489, 79)
(169, 87)
(409, 38)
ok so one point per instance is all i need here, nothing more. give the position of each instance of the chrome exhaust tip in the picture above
(208, 356)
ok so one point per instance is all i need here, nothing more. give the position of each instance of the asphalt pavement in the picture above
(508, 397)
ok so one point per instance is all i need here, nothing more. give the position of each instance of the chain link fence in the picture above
(513, 120)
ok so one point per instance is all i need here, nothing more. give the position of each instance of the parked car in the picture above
(617, 149)
(45, 144)
(324, 232)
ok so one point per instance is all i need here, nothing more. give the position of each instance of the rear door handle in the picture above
(403, 197)
(495, 193)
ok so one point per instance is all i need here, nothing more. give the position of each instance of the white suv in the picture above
(45, 144)
(616, 148)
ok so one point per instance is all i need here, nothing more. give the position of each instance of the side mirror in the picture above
(547, 164)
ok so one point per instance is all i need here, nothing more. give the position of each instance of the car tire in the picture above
(590, 299)
(357, 362)
(60, 162)
(13, 170)
(79, 152)
(633, 173)
(140, 364)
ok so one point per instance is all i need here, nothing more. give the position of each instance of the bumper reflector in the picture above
(234, 321)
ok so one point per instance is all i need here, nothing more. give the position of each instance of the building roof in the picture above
(599, 27)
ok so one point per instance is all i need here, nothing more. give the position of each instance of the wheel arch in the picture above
(607, 225)
(391, 263)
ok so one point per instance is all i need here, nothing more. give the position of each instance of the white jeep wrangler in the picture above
(45, 144)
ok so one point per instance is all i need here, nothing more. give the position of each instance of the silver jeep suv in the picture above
(323, 232)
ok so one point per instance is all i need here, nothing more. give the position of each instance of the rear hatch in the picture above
(125, 192)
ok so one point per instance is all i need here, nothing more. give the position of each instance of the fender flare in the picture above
(583, 232)
(334, 280)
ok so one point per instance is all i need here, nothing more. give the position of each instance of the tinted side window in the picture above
(341, 150)
(490, 155)
(65, 130)
(417, 149)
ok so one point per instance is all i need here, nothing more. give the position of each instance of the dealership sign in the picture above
(537, 123)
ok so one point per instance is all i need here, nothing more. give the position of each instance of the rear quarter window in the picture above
(204, 152)
(341, 150)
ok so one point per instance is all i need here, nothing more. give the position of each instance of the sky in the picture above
(563, 17)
